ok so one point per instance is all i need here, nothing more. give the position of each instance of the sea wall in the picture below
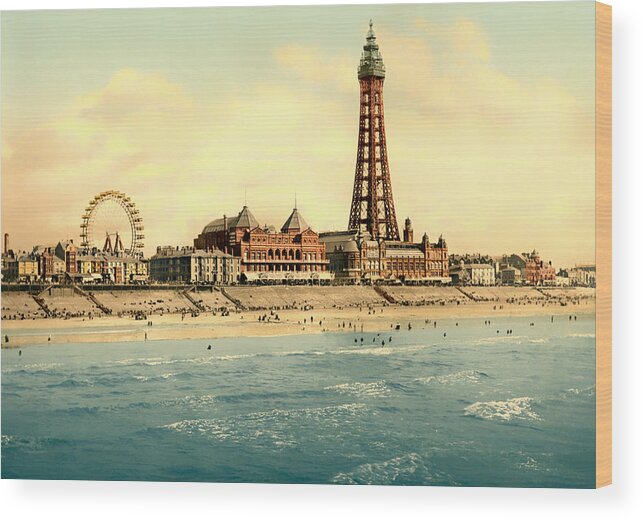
(95, 302)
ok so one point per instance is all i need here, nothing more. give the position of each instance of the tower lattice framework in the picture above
(372, 208)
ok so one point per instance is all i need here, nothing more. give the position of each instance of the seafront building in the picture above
(533, 270)
(473, 274)
(583, 275)
(194, 266)
(266, 254)
(357, 258)
(28, 268)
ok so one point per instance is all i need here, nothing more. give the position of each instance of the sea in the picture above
(453, 403)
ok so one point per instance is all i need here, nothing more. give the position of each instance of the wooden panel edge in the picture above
(603, 217)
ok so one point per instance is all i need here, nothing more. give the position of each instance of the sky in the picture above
(489, 113)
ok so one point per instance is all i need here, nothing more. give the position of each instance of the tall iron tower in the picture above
(372, 208)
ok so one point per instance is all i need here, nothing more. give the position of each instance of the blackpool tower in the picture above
(372, 208)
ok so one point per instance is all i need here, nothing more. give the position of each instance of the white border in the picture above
(110, 500)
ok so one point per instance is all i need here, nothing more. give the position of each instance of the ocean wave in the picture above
(408, 468)
(377, 350)
(274, 427)
(32, 368)
(71, 383)
(6, 440)
(159, 377)
(505, 411)
(581, 392)
(30, 444)
(463, 376)
(581, 335)
(374, 389)
(500, 338)
(195, 402)
(532, 464)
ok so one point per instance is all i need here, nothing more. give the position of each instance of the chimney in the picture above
(6, 243)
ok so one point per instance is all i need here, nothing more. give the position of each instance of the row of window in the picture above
(280, 255)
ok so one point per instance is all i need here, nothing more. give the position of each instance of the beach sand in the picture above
(208, 326)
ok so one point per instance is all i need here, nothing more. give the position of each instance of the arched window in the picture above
(291, 254)
(270, 254)
(284, 254)
(298, 254)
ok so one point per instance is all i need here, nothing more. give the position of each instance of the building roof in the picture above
(245, 219)
(295, 222)
(216, 253)
(43, 248)
(478, 266)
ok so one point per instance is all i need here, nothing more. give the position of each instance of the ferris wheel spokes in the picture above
(113, 206)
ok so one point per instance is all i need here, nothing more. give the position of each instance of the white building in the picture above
(189, 265)
(583, 275)
(481, 274)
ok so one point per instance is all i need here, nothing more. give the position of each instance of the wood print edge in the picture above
(603, 244)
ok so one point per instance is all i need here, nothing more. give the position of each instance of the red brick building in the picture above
(358, 258)
(295, 248)
(538, 272)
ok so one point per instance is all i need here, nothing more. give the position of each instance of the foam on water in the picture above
(463, 376)
(33, 367)
(278, 427)
(195, 402)
(159, 377)
(516, 408)
(582, 392)
(374, 389)
(408, 468)
(500, 338)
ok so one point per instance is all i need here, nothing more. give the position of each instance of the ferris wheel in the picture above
(112, 217)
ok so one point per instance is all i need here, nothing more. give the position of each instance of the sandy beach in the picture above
(210, 326)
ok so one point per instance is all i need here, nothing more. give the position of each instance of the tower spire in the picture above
(372, 207)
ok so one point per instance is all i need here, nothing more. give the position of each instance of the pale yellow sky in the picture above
(489, 119)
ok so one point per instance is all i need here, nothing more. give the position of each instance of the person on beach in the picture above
(19, 353)
(6, 338)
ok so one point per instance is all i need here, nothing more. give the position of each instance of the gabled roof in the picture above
(295, 222)
(245, 219)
